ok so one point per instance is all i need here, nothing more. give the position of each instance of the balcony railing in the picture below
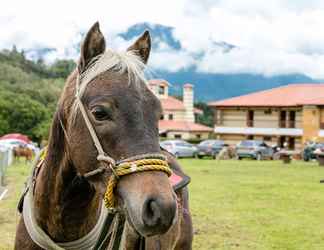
(282, 124)
(291, 124)
(287, 124)
(249, 123)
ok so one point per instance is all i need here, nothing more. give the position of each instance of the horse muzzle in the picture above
(158, 216)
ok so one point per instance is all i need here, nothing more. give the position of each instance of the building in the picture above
(178, 118)
(292, 114)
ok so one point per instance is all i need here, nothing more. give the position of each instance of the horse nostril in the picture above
(158, 214)
(151, 213)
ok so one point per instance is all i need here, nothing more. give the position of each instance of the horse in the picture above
(25, 152)
(106, 117)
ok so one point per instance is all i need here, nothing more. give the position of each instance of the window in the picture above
(177, 136)
(282, 119)
(170, 116)
(250, 137)
(291, 143)
(206, 143)
(198, 136)
(161, 90)
(267, 138)
(281, 141)
(292, 119)
(250, 118)
(162, 117)
(247, 143)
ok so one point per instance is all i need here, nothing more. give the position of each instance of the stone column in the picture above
(188, 100)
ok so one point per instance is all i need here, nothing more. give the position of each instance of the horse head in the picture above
(123, 114)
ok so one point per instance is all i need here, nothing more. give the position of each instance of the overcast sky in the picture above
(273, 37)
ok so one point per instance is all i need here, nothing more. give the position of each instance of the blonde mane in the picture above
(118, 62)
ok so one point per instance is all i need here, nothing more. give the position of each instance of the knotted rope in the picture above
(131, 167)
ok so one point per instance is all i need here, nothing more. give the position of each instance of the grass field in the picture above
(235, 205)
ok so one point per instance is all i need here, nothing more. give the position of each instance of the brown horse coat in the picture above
(125, 114)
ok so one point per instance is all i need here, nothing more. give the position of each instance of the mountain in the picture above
(209, 87)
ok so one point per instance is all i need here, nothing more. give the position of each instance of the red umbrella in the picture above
(16, 137)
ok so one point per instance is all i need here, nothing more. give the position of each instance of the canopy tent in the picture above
(16, 136)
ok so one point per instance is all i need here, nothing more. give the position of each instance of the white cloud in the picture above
(279, 37)
(171, 60)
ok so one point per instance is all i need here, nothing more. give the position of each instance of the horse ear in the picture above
(142, 46)
(93, 45)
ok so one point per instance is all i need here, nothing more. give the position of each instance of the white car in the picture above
(180, 148)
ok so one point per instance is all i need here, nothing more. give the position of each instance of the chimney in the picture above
(188, 102)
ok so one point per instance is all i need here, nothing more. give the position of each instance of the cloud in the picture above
(279, 37)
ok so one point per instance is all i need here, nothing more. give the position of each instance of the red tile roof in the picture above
(171, 103)
(158, 81)
(171, 125)
(286, 96)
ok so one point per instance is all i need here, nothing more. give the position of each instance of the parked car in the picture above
(254, 149)
(210, 148)
(309, 151)
(180, 148)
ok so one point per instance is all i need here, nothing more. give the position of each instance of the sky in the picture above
(271, 37)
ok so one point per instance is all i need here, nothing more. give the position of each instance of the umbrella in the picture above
(16, 136)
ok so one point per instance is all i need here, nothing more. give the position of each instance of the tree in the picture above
(21, 114)
(207, 116)
(62, 68)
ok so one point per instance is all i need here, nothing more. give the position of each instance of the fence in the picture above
(6, 159)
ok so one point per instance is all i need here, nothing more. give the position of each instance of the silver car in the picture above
(254, 149)
(179, 148)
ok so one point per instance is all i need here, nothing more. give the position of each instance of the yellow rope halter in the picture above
(130, 168)
(125, 168)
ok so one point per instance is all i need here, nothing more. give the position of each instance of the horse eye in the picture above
(101, 113)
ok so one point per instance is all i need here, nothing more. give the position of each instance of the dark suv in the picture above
(210, 148)
(309, 151)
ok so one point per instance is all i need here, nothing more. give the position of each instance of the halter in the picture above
(138, 163)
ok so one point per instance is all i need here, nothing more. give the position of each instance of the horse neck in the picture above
(67, 207)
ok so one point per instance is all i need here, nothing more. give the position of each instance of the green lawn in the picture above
(256, 205)
(16, 176)
(235, 205)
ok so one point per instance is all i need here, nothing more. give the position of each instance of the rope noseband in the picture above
(135, 164)
(133, 167)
